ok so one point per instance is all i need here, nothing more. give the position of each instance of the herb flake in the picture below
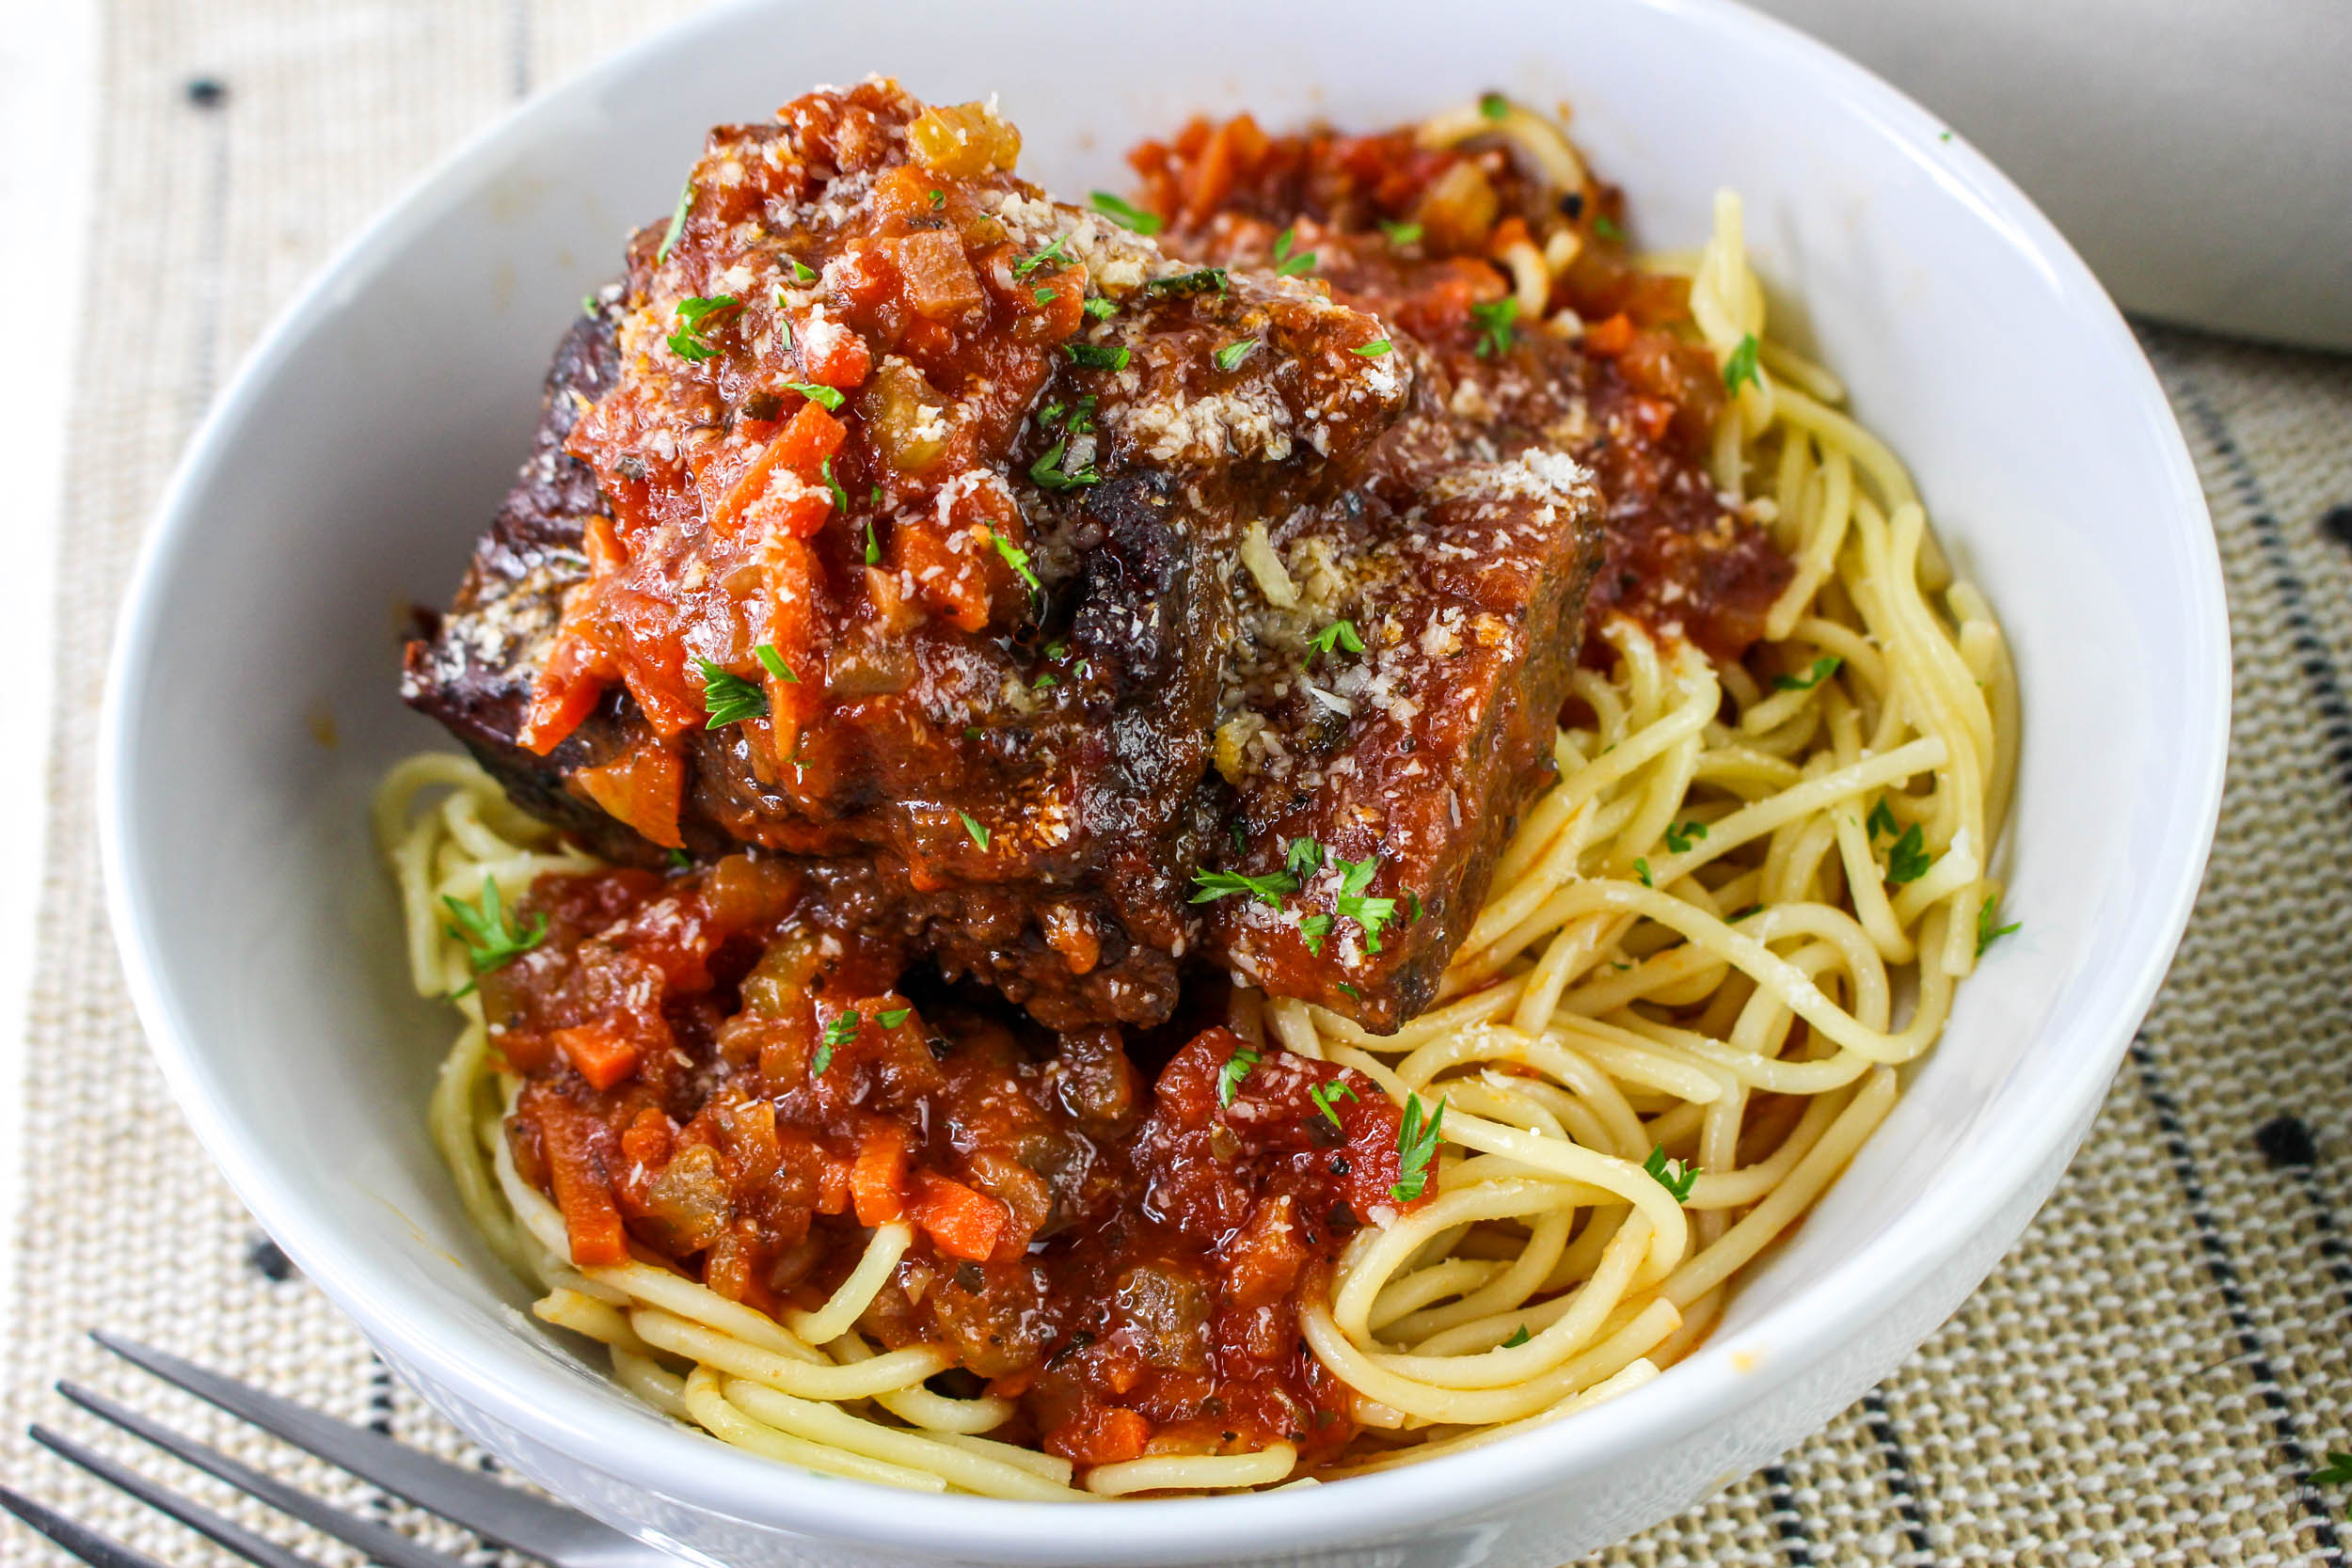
(728, 698)
(1125, 214)
(1415, 1145)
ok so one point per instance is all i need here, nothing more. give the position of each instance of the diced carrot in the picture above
(878, 1179)
(582, 1192)
(600, 1053)
(799, 449)
(1611, 337)
(963, 1223)
(642, 787)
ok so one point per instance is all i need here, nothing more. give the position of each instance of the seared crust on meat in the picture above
(1006, 629)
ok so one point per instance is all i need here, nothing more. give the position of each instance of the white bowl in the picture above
(348, 470)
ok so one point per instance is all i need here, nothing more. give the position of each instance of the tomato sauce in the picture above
(718, 1078)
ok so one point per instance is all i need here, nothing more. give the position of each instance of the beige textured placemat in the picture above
(2148, 1378)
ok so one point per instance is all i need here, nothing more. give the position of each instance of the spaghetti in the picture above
(1707, 950)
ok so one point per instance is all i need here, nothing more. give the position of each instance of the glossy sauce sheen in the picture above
(1127, 1263)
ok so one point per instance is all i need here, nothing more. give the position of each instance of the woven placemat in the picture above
(2149, 1378)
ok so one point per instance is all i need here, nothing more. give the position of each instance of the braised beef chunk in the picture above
(895, 519)
(1402, 657)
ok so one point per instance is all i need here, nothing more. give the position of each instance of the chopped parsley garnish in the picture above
(1371, 913)
(1287, 264)
(1822, 668)
(1673, 1175)
(1313, 929)
(823, 1059)
(1045, 296)
(783, 325)
(1497, 323)
(1402, 234)
(1517, 1339)
(1988, 933)
(1882, 820)
(678, 223)
(1232, 354)
(1044, 682)
(840, 496)
(1681, 836)
(843, 1029)
(1606, 227)
(1340, 634)
(1125, 214)
(1416, 1145)
(687, 342)
(1326, 1094)
(1494, 106)
(1269, 890)
(817, 392)
(1373, 349)
(802, 271)
(492, 941)
(1050, 475)
(1100, 357)
(1101, 308)
(1412, 908)
(1909, 860)
(894, 1016)
(1200, 283)
(876, 496)
(774, 664)
(873, 545)
(1641, 870)
(679, 860)
(1303, 859)
(1052, 256)
(728, 699)
(588, 305)
(1741, 366)
(1236, 1068)
(971, 732)
(939, 199)
(1016, 558)
(1351, 990)
(973, 830)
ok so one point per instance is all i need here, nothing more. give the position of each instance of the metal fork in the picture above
(498, 1513)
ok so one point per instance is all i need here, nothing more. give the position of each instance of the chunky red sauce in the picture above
(717, 1078)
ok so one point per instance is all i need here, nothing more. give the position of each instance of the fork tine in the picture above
(238, 1539)
(386, 1546)
(99, 1551)
(481, 1504)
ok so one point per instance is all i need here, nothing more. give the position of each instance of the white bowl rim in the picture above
(1804, 1330)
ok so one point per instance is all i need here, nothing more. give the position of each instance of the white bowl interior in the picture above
(349, 471)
